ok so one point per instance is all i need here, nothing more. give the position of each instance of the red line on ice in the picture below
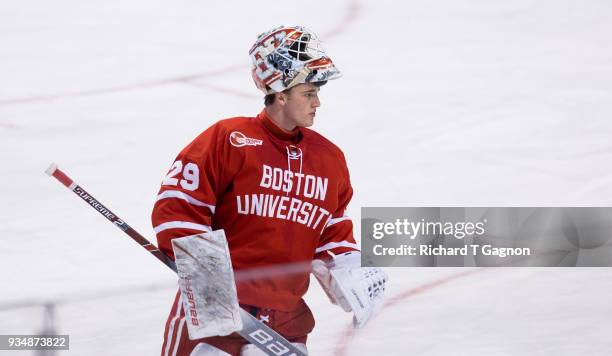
(122, 88)
(349, 332)
(350, 15)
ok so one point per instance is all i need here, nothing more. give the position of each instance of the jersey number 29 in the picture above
(191, 175)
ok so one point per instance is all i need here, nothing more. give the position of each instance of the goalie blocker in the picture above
(207, 286)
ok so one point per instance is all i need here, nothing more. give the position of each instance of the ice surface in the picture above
(482, 103)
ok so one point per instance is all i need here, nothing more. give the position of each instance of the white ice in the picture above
(442, 103)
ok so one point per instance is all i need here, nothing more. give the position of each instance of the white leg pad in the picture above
(203, 349)
(252, 350)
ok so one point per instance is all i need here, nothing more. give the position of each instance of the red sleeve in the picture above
(337, 236)
(186, 200)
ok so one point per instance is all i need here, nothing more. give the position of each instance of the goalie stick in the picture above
(254, 331)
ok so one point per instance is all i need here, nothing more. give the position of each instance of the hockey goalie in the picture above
(270, 195)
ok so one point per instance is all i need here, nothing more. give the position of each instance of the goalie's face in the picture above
(299, 105)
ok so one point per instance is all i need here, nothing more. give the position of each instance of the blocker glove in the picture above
(352, 287)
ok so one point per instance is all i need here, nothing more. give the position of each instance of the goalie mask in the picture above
(287, 56)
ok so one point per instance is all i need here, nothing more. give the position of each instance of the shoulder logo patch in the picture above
(238, 139)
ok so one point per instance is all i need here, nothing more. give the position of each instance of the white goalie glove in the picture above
(352, 287)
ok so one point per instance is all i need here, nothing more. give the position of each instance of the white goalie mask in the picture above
(287, 56)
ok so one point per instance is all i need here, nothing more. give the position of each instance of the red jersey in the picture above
(280, 197)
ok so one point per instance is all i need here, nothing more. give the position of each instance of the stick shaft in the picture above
(110, 216)
(259, 334)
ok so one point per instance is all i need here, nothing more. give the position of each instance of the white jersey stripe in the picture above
(337, 220)
(181, 225)
(330, 245)
(170, 334)
(186, 197)
(178, 336)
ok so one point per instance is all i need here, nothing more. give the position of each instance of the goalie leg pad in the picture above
(206, 281)
(252, 350)
(203, 349)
